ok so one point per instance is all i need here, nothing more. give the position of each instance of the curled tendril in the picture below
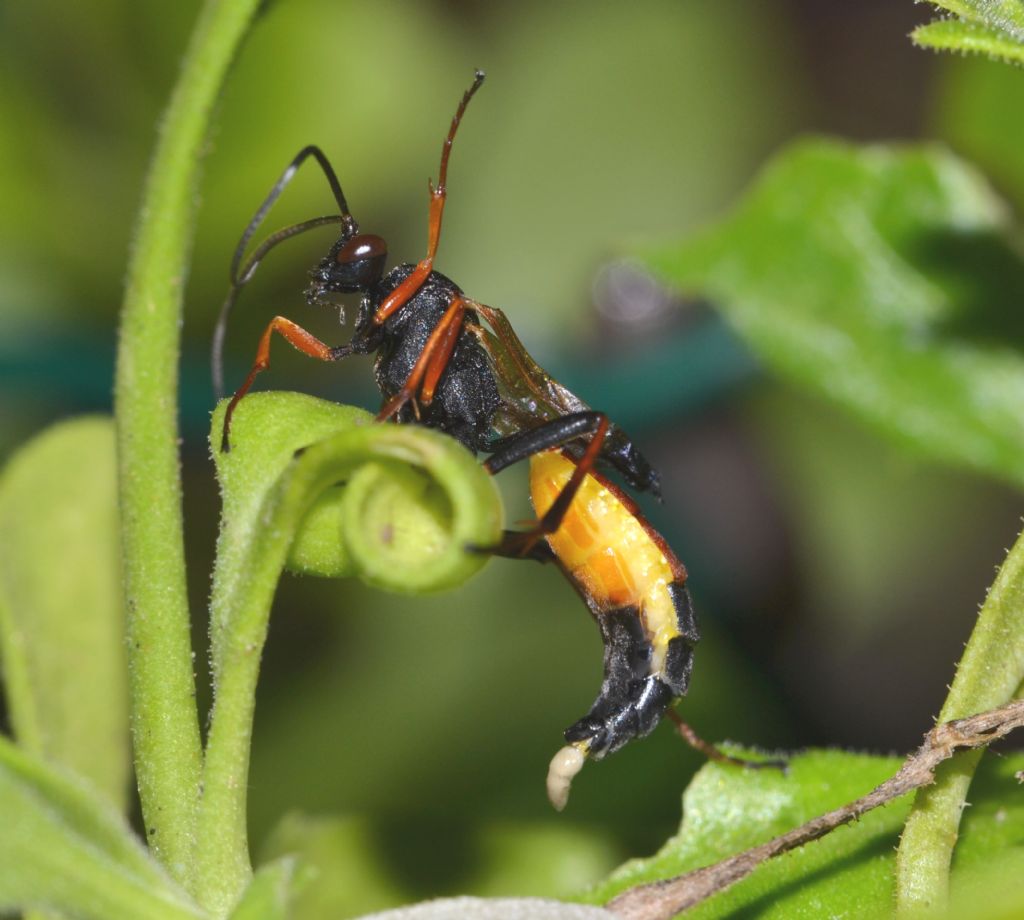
(321, 489)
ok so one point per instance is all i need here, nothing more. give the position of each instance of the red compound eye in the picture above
(362, 246)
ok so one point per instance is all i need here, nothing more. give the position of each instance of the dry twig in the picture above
(663, 900)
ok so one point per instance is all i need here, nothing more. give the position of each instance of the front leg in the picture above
(298, 337)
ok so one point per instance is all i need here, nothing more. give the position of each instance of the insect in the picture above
(448, 362)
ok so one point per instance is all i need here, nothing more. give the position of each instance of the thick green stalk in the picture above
(164, 719)
(989, 675)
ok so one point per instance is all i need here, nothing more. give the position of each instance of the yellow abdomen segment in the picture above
(606, 549)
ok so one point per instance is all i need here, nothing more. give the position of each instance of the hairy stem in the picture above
(989, 675)
(163, 712)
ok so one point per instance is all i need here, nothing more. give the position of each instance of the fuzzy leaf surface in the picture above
(61, 608)
(994, 28)
(62, 848)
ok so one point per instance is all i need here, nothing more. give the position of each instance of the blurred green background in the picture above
(836, 576)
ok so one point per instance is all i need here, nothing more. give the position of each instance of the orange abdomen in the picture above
(607, 548)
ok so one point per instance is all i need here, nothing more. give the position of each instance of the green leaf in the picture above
(962, 8)
(991, 27)
(969, 38)
(846, 873)
(402, 505)
(347, 875)
(1006, 14)
(62, 848)
(270, 894)
(881, 278)
(61, 611)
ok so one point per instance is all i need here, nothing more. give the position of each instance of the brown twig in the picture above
(664, 899)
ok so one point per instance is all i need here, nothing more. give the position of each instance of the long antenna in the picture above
(241, 273)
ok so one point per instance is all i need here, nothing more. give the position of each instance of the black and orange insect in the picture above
(451, 363)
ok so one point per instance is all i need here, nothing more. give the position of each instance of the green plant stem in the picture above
(989, 675)
(163, 711)
(223, 853)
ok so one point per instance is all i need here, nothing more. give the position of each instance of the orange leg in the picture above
(402, 294)
(304, 341)
(433, 358)
(438, 362)
(408, 288)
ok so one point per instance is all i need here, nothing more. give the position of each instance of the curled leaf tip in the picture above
(396, 505)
